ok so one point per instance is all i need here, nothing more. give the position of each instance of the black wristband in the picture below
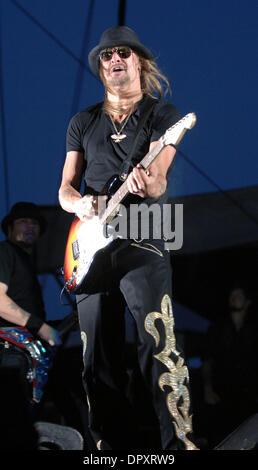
(34, 324)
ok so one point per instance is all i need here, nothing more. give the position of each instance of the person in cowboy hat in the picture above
(106, 139)
(20, 295)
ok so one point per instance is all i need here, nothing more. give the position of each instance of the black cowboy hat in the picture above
(117, 36)
(22, 210)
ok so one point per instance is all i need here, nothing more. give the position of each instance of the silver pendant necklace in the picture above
(119, 136)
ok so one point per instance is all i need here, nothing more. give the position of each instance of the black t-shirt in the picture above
(17, 272)
(90, 131)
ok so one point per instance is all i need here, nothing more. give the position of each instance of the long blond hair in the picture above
(152, 80)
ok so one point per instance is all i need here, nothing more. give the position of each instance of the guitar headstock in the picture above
(174, 134)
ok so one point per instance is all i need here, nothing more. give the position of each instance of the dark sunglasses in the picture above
(123, 51)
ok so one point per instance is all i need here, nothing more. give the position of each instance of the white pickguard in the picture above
(91, 239)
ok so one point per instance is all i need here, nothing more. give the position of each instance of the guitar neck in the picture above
(122, 192)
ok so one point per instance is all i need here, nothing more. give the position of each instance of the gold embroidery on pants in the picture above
(84, 347)
(178, 372)
(88, 403)
(99, 444)
(84, 342)
(153, 248)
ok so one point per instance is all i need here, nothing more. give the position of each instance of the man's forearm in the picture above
(68, 197)
(157, 188)
(11, 312)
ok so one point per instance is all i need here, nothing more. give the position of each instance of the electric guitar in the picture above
(87, 242)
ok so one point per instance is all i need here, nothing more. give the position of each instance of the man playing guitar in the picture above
(137, 272)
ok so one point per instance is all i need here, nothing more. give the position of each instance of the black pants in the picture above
(140, 278)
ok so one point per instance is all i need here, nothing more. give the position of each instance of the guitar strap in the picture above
(144, 115)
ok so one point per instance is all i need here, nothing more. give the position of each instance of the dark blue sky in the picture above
(208, 50)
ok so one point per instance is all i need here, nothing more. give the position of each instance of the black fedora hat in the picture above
(117, 36)
(22, 210)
